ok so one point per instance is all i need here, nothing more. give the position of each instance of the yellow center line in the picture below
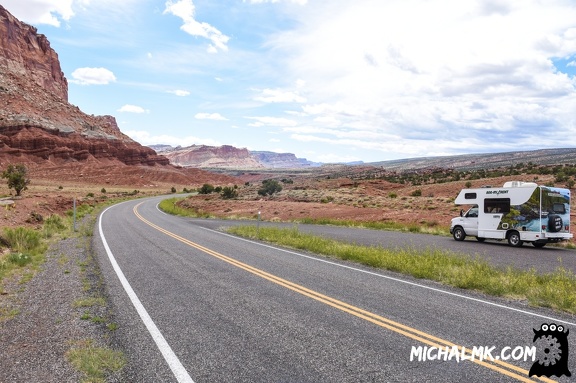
(410, 332)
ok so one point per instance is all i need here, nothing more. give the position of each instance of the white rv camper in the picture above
(518, 212)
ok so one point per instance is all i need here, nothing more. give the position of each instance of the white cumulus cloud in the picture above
(92, 76)
(49, 12)
(186, 10)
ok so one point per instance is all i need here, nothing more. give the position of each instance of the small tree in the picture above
(16, 175)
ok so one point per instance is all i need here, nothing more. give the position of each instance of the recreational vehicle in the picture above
(517, 212)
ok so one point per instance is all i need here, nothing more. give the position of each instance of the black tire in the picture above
(555, 223)
(514, 239)
(480, 239)
(539, 245)
(459, 234)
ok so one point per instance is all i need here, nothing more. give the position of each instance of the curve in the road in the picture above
(428, 339)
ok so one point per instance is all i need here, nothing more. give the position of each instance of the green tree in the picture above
(16, 176)
(269, 187)
(206, 189)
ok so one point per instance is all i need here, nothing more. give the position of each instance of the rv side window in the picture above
(497, 205)
(469, 195)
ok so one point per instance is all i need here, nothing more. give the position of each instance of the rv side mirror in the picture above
(461, 212)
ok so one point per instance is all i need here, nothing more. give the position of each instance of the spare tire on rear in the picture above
(554, 223)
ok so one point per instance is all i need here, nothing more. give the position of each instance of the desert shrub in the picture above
(269, 187)
(416, 193)
(54, 224)
(229, 192)
(22, 239)
(103, 191)
(392, 195)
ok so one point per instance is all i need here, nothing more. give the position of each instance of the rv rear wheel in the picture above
(514, 239)
(459, 233)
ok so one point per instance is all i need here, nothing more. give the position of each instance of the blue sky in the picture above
(327, 80)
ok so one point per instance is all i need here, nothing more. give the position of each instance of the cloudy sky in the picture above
(327, 80)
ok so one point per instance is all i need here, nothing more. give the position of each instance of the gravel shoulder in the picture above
(34, 343)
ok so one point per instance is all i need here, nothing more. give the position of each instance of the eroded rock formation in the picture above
(36, 121)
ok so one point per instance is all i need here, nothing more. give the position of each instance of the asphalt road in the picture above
(195, 304)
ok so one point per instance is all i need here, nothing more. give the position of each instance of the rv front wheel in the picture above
(459, 233)
(514, 239)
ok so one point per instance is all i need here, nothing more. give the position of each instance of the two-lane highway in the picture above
(195, 304)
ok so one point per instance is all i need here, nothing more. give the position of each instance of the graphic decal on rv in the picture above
(553, 217)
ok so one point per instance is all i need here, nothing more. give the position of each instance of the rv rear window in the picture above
(470, 195)
(497, 205)
(559, 208)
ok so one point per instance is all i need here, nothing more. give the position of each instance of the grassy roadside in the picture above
(554, 290)
(23, 251)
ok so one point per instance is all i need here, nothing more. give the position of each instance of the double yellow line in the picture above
(412, 333)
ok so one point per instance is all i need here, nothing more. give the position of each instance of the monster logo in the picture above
(551, 351)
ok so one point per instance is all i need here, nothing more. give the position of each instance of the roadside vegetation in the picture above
(25, 248)
(172, 206)
(22, 253)
(554, 290)
(94, 361)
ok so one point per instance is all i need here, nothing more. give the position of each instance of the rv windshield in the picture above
(473, 212)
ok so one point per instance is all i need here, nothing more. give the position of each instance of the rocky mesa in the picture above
(229, 157)
(37, 124)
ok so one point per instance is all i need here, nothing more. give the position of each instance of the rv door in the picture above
(470, 221)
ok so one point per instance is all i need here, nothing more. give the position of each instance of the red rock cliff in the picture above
(37, 122)
(25, 52)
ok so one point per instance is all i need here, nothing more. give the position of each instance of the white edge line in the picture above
(173, 362)
(395, 279)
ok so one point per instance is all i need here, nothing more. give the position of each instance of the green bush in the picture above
(228, 192)
(20, 259)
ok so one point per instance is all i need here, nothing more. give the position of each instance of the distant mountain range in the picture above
(483, 160)
(230, 157)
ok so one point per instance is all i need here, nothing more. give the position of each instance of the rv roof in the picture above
(519, 184)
